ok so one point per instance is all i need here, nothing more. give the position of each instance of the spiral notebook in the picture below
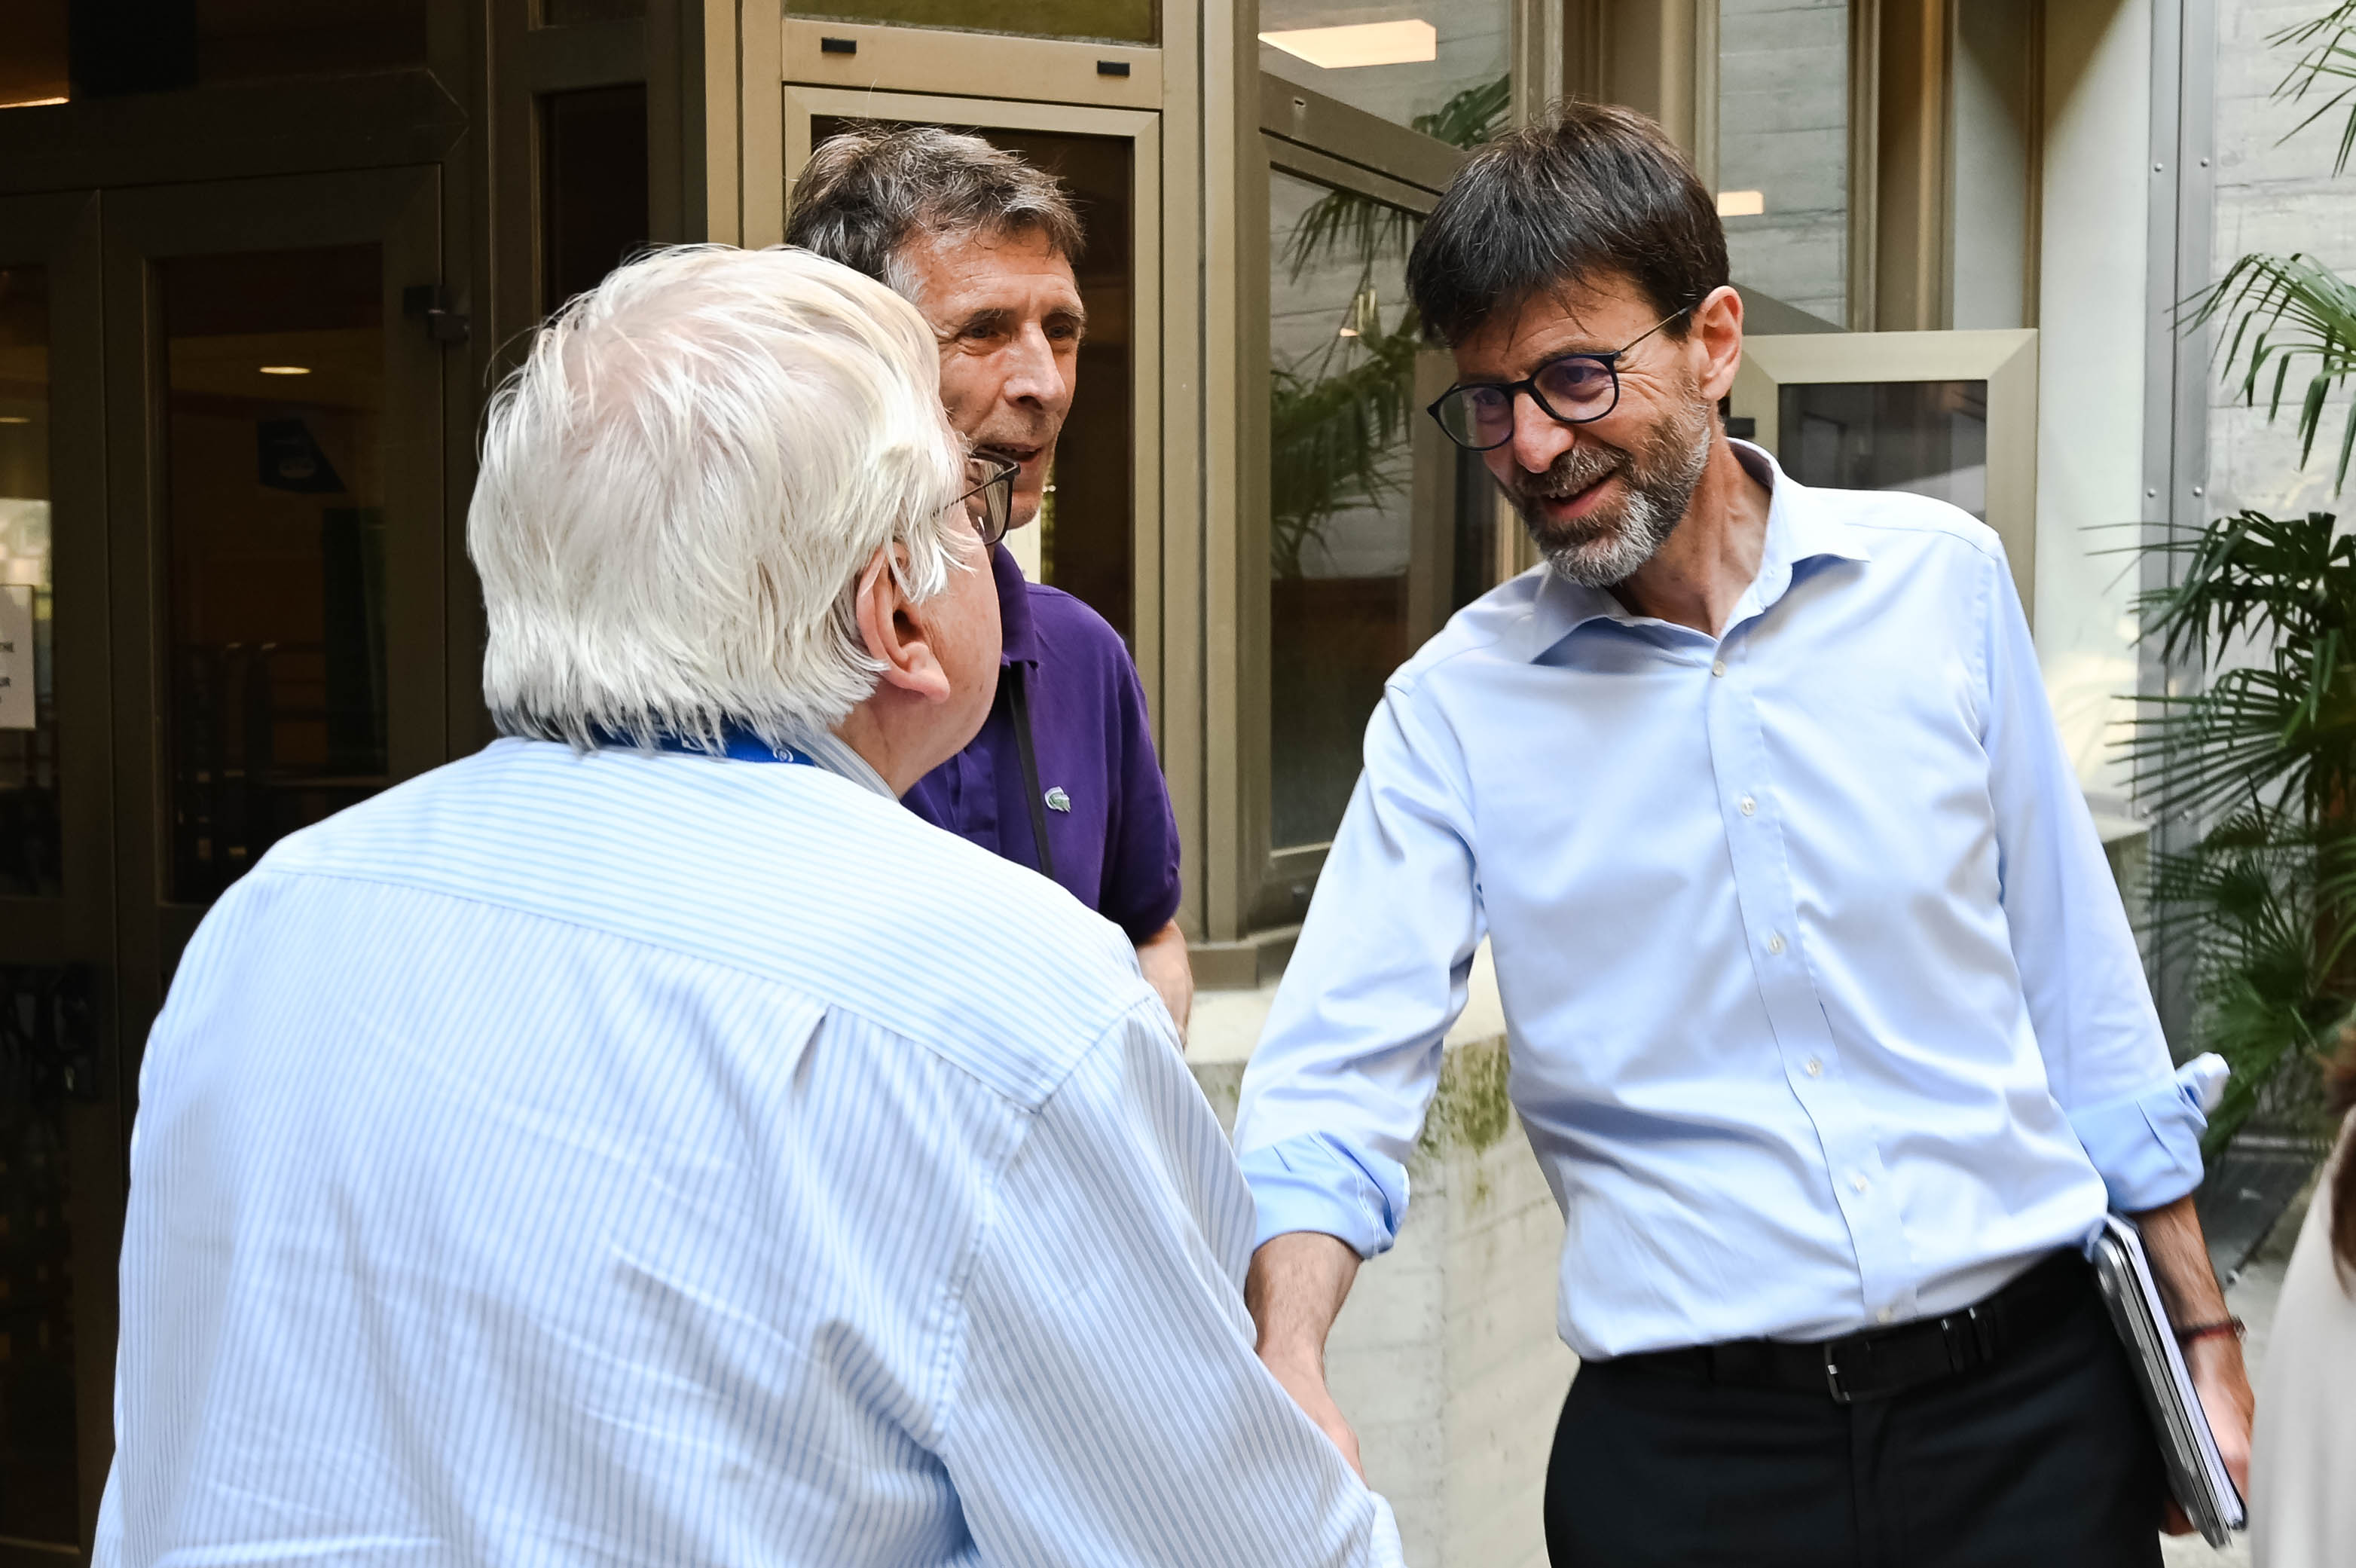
(2196, 1472)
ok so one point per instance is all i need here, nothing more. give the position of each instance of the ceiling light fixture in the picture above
(284, 370)
(1741, 203)
(1411, 42)
(16, 419)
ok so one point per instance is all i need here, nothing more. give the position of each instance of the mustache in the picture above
(1577, 469)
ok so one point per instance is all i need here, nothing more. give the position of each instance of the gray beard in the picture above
(1607, 549)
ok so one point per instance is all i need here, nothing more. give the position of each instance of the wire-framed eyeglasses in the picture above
(991, 502)
(1573, 390)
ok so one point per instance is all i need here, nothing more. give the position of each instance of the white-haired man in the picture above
(644, 1140)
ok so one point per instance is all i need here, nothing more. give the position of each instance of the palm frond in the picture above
(2288, 308)
(2329, 56)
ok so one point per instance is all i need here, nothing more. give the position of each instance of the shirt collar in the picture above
(1018, 633)
(1800, 529)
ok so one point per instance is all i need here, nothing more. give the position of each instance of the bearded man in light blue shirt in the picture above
(645, 1141)
(1826, 1024)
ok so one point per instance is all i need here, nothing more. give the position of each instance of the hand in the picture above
(1306, 1383)
(1161, 957)
(2224, 1385)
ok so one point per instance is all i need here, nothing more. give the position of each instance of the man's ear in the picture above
(895, 631)
(1717, 328)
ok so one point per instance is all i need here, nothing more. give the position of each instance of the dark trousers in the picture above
(2044, 1457)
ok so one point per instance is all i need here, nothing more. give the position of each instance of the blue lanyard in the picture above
(742, 746)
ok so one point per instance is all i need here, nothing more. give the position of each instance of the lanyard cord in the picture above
(1018, 701)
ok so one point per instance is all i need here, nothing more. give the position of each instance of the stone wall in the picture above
(2276, 196)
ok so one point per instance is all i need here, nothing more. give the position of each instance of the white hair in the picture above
(680, 486)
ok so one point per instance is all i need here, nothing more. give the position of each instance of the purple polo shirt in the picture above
(1116, 848)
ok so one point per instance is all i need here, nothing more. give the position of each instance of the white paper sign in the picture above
(17, 707)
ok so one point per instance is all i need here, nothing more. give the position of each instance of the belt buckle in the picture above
(1832, 1374)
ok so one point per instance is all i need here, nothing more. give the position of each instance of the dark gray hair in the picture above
(1589, 191)
(866, 193)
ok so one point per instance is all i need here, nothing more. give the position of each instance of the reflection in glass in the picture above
(1783, 149)
(275, 366)
(1114, 21)
(1927, 437)
(33, 64)
(592, 200)
(39, 1495)
(1342, 348)
(1432, 67)
(1086, 521)
(30, 836)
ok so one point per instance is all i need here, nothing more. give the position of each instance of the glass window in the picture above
(1783, 149)
(1087, 521)
(275, 540)
(30, 836)
(1928, 437)
(592, 203)
(33, 66)
(1440, 69)
(1113, 21)
(1341, 353)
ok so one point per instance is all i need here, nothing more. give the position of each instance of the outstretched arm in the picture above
(1109, 1408)
(1295, 1290)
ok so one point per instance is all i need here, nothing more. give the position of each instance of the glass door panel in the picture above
(38, 1494)
(31, 836)
(276, 451)
(60, 1126)
(1343, 345)
(1783, 150)
(1440, 70)
(274, 528)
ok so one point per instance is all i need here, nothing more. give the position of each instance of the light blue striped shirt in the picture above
(655, 1158)
(1823, 1010)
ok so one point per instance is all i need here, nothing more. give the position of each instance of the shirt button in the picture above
(1885, 1314)
(1750, 806)
(1859, 1182)
(1816, 1067)
(1774, 943)
(1717, 666)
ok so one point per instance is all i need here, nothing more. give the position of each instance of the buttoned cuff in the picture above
(1315, 1182)
(2147, 1147)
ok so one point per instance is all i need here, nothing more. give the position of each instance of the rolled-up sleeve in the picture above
(1333, 1098)
(2105, 1059)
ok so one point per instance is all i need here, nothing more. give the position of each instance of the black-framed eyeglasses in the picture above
(1573, 390)
(991, 503)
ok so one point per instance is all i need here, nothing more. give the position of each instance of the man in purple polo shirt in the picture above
(1063, 776)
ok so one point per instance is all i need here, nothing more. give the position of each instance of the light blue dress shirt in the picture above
(650, 1158)
(1822, 1011)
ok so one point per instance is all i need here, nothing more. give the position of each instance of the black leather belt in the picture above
(1887, 1361)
